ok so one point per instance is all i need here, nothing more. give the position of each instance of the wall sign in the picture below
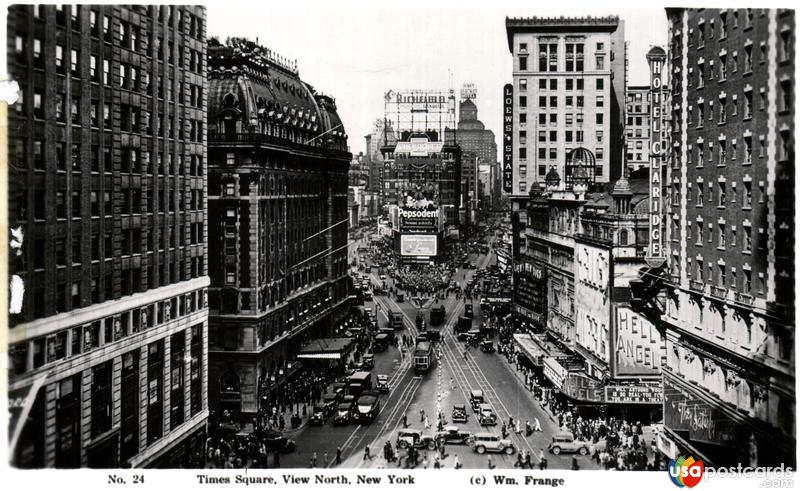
(508, 138)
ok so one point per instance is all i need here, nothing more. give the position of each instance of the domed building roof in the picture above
(581, 157)
(552, 175)
(622, 187)
(256, 85)
(656, 51)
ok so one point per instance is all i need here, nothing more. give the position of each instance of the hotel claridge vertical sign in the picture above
(508, 138)
(655, 250)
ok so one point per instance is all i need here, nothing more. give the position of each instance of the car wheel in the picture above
(431, 445)
(583, 451)
(556, 450)
(403, 444)
(481, 450)
(509, 450)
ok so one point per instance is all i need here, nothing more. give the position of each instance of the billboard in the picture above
(639, 349)
(418, 245)
(418, 220)
(508, 138)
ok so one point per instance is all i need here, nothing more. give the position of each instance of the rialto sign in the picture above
(508, 138)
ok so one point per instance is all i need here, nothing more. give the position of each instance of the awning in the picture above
(325, 349)
(530, 348)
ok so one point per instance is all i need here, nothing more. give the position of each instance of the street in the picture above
(450, 382)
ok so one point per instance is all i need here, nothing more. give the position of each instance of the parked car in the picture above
(382, 384)
(318, 416)
(476, 399)
(489, 442)
(486, 416)
(459, 413)
(414, 438)
(401, 297)
(565, 442)
(487, 346)
(453, 435)
(367, 361)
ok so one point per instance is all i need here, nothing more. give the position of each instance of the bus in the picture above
(358, 383)
(424, 358)
(381, 342)
(396, 319)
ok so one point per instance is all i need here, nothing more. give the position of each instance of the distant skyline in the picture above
(357, 51)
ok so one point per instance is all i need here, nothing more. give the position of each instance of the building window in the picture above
(599, 62)
(523, 84)
(523, 63)
(574, 57)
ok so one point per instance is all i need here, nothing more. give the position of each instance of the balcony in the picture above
(744, 298)
(259, 139)
(719, 292)
(697, 285)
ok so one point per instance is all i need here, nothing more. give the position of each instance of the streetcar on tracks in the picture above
(424, 357)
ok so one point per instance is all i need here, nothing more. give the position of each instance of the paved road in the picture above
(447, 384)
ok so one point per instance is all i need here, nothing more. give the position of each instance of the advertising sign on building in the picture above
(634, 394)
(418, 221)
(508, 138)
(655, 253)
(418, 245)
(554, 371)
(685, 412)
(638, 347)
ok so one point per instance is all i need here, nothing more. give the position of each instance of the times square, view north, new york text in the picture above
(209, 269)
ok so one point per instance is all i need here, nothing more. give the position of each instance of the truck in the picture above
(437, 315)
(358, 383)
(396, 319)
(464, 324)
(423, 357)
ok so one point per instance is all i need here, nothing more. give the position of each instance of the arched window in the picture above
(623, 237)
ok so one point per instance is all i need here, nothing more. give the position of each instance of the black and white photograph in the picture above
(319, 243)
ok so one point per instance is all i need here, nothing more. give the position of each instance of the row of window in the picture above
(131, 203)
(552, 84)
(723, 151)
(573, 56)
(133, 160)
(569, 101)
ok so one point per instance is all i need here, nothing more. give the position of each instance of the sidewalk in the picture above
(521, 377)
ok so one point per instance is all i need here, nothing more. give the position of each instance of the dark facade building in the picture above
(637, 127)
(278, 221)
(108, 341)
(478, 148)
(730, 277)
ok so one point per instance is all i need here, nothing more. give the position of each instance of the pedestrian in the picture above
(276, 459)
(314, 460)
(405, 420)
(575, 464)
(427, 423)
(325, 459)
(536, 425)
(517, 428)
(421, 415)
(456, 463)
(366, 454)
(338, 456)
(489, 458)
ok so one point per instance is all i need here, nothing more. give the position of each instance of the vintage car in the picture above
(476, 399)
(565, 442)
(487, 346)
(453, 435)
(489, 442)
(367, 361)
(486, 415)
(318, 416)
(409, 437)
(276, 442)
(342, 416)
(459, 413)
(382, 384)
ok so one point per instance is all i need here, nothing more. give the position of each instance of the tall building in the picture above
(108, 341)
(278, 223)
(729, 383)
(637, 127)
(568, 92)
(373, 156)
(478, 148)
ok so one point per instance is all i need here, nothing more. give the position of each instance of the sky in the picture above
(355, 51)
